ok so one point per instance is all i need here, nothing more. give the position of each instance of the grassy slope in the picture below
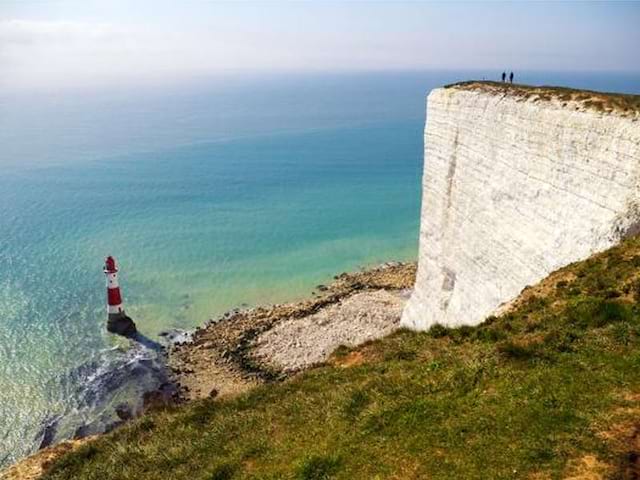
(523, 396)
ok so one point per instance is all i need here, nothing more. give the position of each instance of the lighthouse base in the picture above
(120, 324)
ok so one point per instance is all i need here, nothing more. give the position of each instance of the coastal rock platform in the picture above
(302, 342)
(245, 348)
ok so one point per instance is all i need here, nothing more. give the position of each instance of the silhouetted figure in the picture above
(511, 77)
(504, 76)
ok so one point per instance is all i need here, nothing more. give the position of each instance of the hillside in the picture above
(551, 389)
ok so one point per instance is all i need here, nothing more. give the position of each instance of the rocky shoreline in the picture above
(245, 348)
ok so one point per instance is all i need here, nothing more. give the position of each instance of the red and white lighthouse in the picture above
(117, 320)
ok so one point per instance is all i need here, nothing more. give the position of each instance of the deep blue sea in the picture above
(212, 194)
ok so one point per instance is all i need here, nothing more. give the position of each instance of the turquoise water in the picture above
(211, 195)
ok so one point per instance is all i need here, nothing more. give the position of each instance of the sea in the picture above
(212, 193)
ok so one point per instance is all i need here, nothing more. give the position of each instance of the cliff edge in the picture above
(518, 182)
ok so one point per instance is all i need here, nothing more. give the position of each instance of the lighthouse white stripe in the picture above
(112, 280)
(114, 308)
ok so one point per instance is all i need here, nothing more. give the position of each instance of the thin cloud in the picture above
(29, 32)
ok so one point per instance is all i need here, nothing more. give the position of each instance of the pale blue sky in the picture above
(88, 41)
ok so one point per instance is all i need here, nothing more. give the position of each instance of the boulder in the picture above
(122, 325)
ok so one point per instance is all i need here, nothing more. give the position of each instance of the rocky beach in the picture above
(245, 348)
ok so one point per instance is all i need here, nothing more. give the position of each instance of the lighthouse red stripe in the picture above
(113, 296)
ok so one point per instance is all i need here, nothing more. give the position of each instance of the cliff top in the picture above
(602, 102)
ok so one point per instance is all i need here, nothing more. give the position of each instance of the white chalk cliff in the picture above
(514, 187)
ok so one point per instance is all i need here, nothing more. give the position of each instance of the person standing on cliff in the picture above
(504, 76)
(511, 77)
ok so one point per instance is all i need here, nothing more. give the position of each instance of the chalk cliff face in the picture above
(515, 187)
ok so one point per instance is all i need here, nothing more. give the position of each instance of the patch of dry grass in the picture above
(601, 102)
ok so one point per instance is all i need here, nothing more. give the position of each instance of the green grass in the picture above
(522, 394)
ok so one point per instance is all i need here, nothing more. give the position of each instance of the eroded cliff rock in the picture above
(516, 184)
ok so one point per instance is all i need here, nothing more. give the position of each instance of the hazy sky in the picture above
(86, 41)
